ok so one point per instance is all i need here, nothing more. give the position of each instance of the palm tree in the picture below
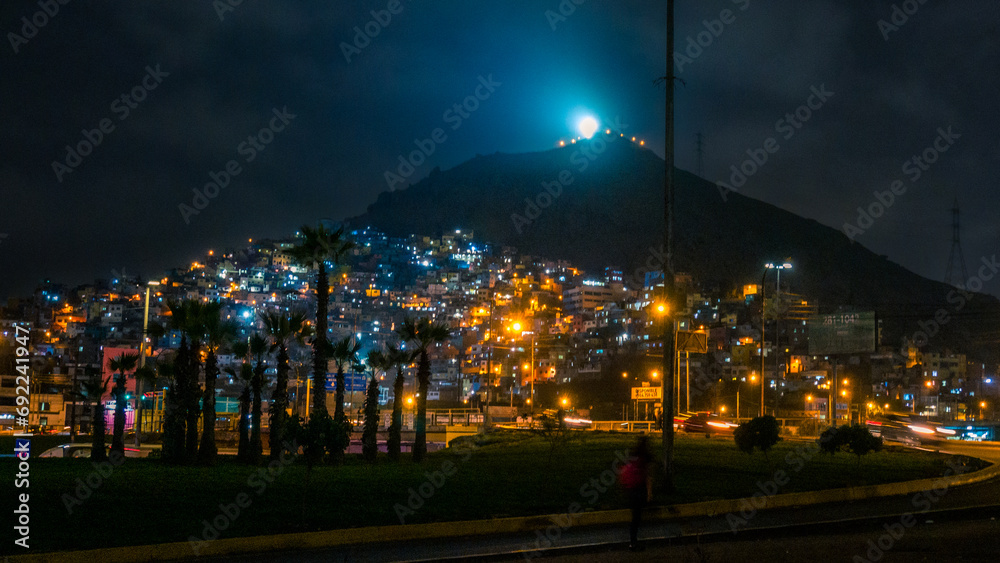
(122, 364)
(377, 361)
(217, 334)
(245, 374)
(282, 330)
(93, 390)
(318, 247)
(397, 358)
(190, 318)
(175, 411)
(423, 334)
(345, 354)
(258, 353)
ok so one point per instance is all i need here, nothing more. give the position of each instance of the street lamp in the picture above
(142, 362)
(779, 268)
(517, 328)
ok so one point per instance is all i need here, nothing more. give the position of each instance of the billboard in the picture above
(647, 393)
(842, 333)
(694, 342)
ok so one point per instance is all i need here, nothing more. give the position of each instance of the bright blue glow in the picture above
(588, 126)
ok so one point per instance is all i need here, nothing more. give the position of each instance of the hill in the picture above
(601, 208)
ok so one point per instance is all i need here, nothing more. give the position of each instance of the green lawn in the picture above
(146, 502)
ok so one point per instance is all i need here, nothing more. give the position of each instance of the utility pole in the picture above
(667, 383)
(763, 323)
(489, 361)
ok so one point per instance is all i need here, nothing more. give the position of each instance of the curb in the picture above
(512, 525)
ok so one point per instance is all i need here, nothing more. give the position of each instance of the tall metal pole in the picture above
(142, 364)
(532, 398)
(763, 323)
(778, 354)
(489, 363)
(668, 246)
(687, 381)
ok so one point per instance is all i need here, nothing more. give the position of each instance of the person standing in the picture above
(637, 480)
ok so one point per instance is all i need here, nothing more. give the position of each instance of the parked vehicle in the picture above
(83, 451)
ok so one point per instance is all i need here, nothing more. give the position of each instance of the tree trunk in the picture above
(369, 437)
(243, 450)
(338, 413)
(320, 341)
(175, 405)
(97, 453)
(394, 444)
(256, 448)
(420, 424)
(208, 451)
(279, 406)
(193, 410)
(118, 437)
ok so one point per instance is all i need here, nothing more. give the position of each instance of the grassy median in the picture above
(72, 506)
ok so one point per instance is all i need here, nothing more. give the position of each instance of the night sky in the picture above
(209, 82)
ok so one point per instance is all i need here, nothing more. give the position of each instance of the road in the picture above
(959, 524)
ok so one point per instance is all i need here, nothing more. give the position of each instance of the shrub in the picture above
(855, 439)
(761, 433)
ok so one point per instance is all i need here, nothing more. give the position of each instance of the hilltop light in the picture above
(588, 126)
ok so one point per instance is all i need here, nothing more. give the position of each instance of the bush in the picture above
(761, 433)
(855, 439)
